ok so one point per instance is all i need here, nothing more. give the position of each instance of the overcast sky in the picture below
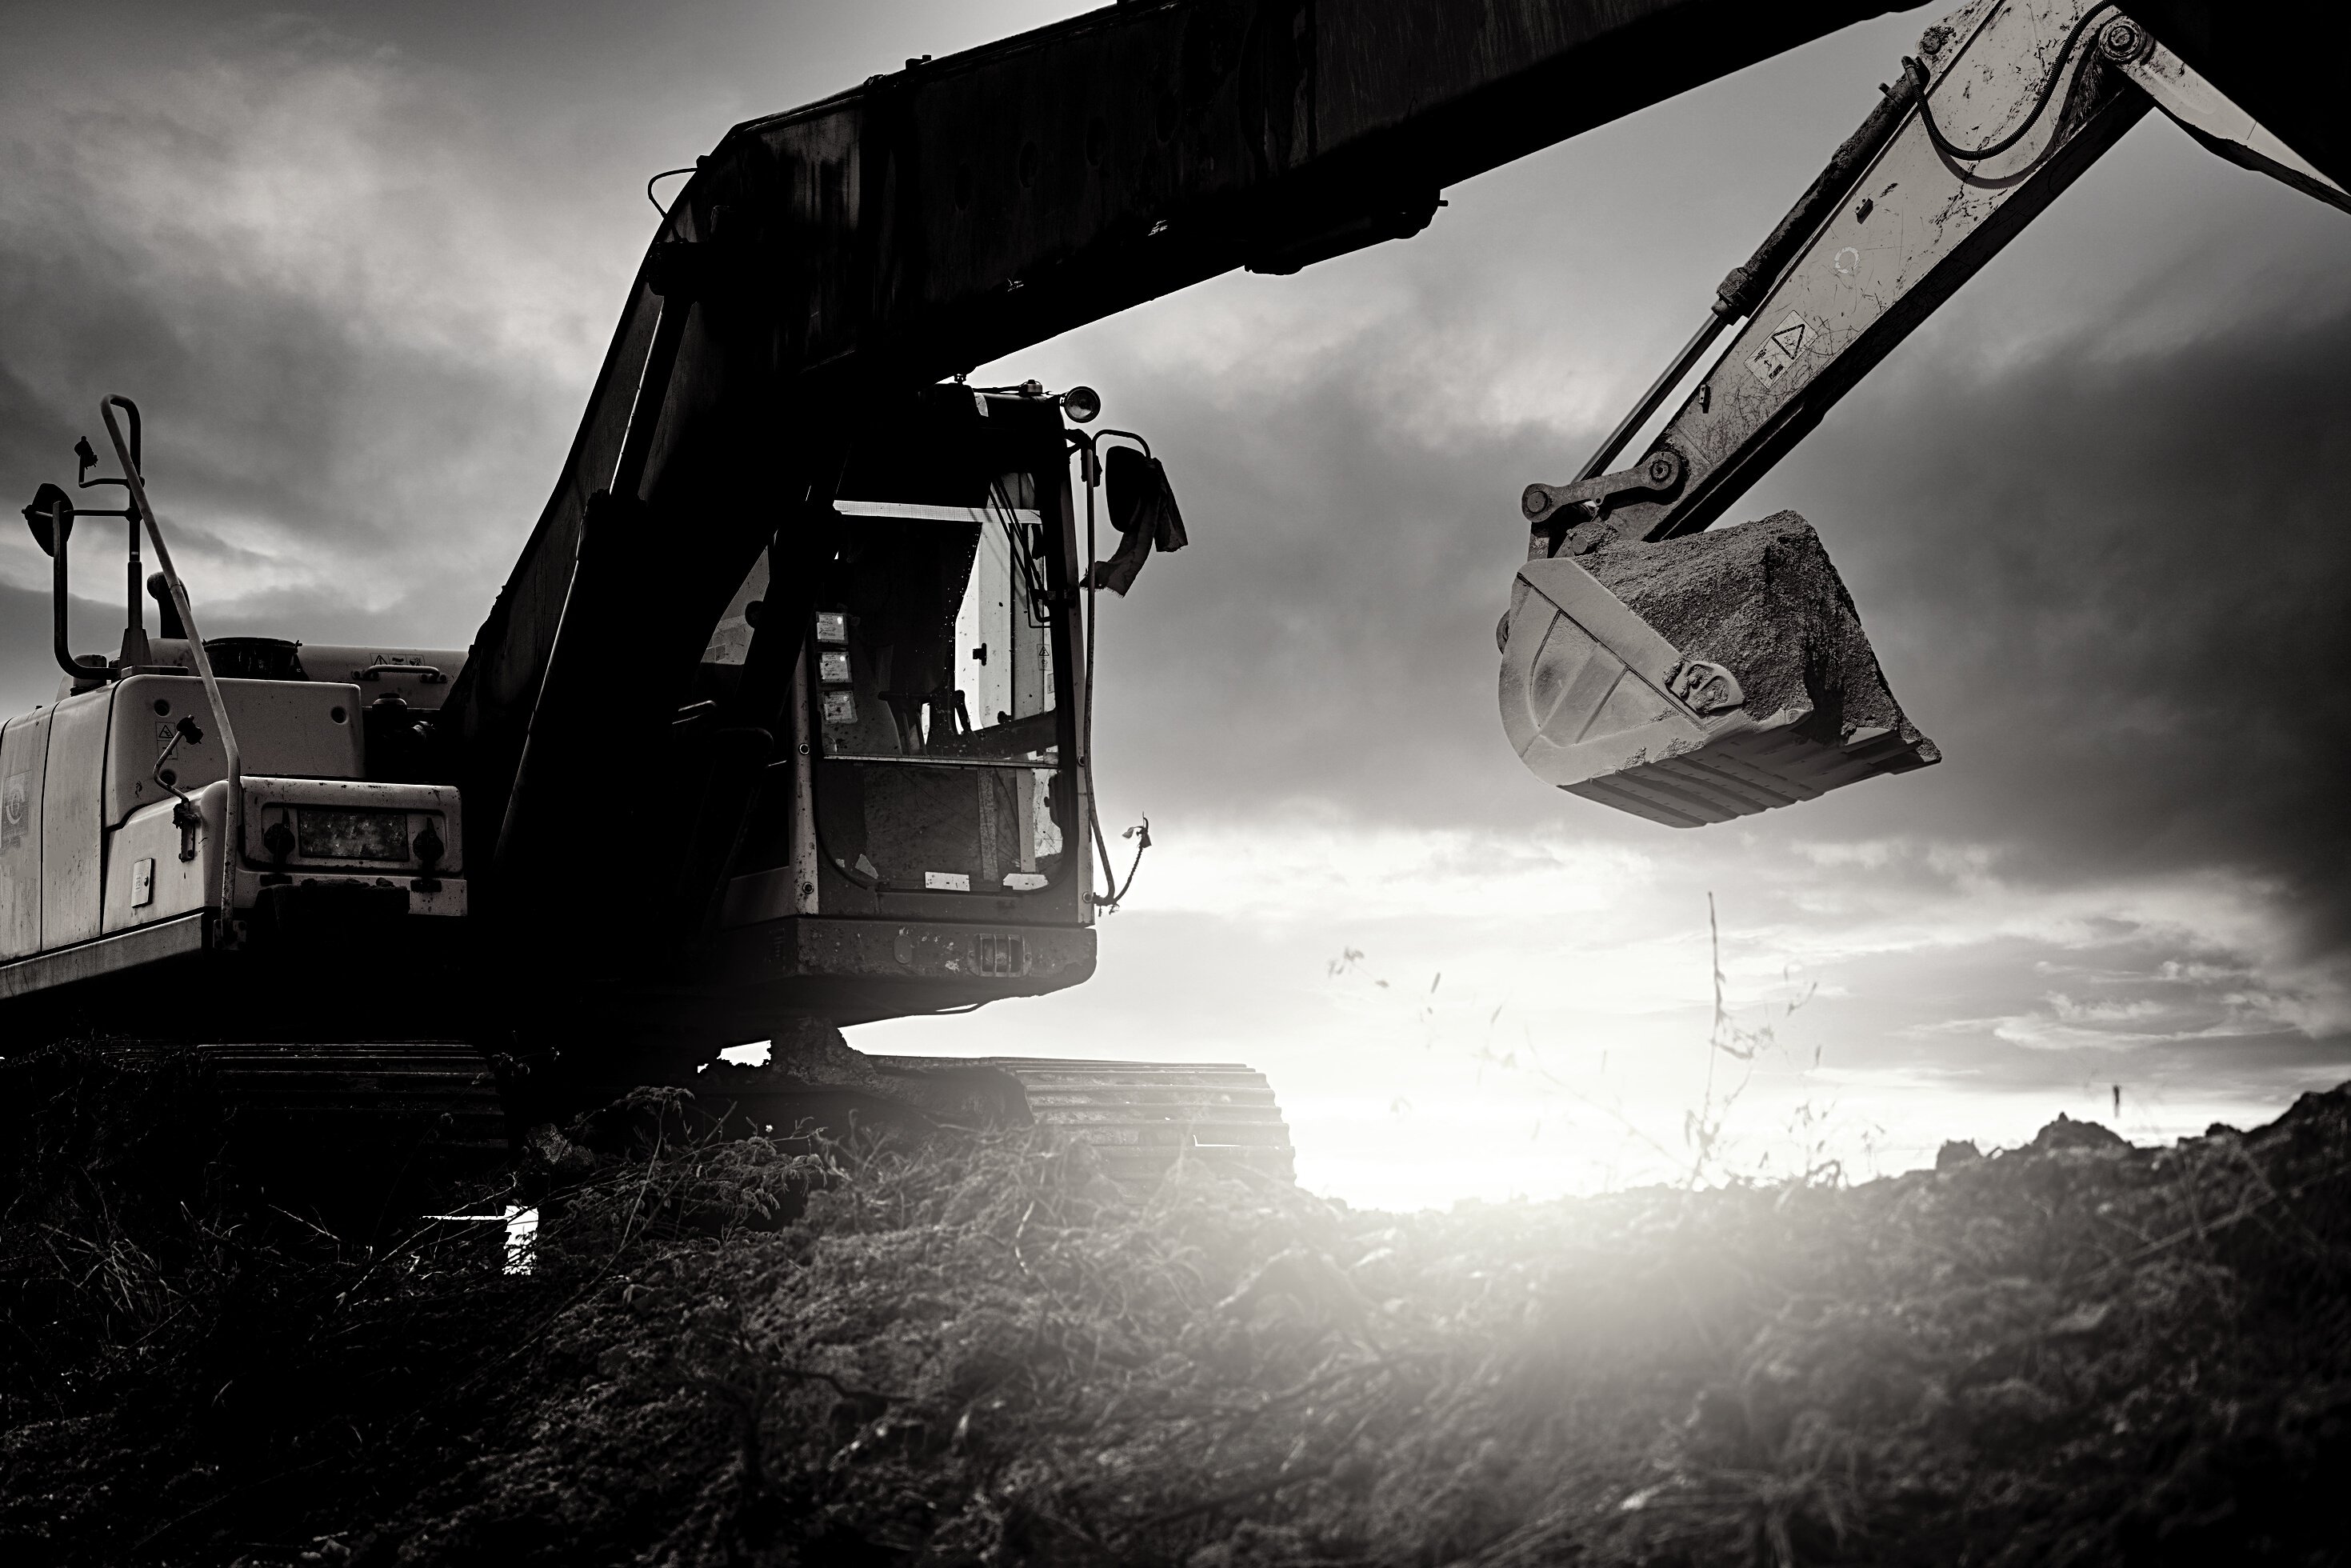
(359, 264)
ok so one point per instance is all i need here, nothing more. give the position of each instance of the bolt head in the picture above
(1535, 501)
(2121, 38)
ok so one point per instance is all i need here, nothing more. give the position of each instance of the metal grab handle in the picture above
(61, 517)
(232, 760)
(184, 815)
(432, 673)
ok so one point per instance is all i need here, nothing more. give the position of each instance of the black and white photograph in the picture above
(1194, 783)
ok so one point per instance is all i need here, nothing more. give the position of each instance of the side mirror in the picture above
(1143, 506)
(1141, 497)
(50, 517)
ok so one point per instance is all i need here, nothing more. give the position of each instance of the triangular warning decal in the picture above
(1779, 348)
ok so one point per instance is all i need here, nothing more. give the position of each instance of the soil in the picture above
(1763, 600)
(976, 1349)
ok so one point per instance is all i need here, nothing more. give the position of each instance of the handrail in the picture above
(61, 516)
(232, 759)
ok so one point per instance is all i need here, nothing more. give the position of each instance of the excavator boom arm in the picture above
(2009, 102)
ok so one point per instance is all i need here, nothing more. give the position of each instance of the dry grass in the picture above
(979, 1351)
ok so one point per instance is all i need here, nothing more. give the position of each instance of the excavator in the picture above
(782, 720)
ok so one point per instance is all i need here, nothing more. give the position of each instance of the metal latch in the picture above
(184, 815)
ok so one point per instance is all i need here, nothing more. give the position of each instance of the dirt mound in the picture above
(979, 1349)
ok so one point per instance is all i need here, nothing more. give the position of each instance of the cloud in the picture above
(2114, 630)
(352, 341)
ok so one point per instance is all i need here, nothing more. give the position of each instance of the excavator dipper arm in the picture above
(2010, 100)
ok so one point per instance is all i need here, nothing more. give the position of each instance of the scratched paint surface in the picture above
(1913, 225)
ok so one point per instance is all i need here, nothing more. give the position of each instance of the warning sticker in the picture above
(1771, 360)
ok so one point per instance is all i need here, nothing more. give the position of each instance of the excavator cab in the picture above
(922, 843)
(941, 662)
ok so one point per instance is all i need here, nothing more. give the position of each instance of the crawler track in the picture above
(430, 1102)
(1141, 1116)
(363, 1136)
(353, 1137)
(359, 1134)
(1138, 1117)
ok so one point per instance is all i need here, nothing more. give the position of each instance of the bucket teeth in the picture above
(1695, 680)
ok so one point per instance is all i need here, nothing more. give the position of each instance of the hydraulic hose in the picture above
(1957, 153)
(1089, 470)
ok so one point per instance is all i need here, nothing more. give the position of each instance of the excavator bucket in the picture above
(1695, 679)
